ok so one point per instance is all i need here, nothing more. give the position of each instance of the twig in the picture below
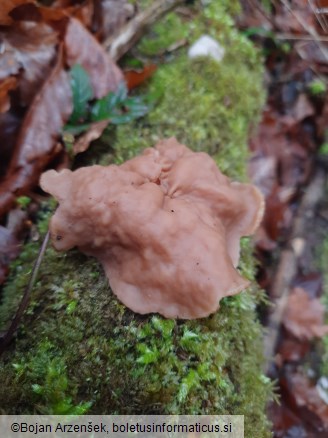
(321, 19)
(255, 4)
(287, 267)
(290, 36)
(307, 28)
(118, 44)
(7, 337)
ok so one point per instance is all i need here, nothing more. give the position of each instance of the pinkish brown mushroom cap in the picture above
(166, 226)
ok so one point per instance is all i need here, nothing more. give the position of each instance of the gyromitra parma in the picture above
(165, 226)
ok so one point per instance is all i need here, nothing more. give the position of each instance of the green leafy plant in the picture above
(116, 107)
(23, 201)
(324, 149)
(82, 93)
(317, 87)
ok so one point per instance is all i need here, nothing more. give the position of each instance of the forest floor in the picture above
(288, 162)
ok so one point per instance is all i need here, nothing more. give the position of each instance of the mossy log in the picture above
(78, 349)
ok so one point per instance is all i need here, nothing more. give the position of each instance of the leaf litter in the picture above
(47, 40)
(40, 46)
(284, 158)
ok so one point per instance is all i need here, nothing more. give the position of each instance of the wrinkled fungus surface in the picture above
(165, 225)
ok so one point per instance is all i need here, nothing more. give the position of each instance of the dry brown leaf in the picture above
(31, 12)
(314, 54)
(284, 421)
(44, 120)
(304, 317)
(6, 7)
(322, 120)
(35, 146)
(291, 350)
(311, 282)
(303, 108)
(263, 170)
(29, 49)
(95, 131)
(11, 239)
(278, 137)
(291, 19)
(9, 126)
(6, 85)
(134, 78)
(82, 48)
(306, 401)
(111, 15)
(9, 249)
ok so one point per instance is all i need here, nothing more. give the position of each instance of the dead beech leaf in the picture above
(263, 241)
(5, 86)
(322, 120)
(6, 7)
(311, 282)
(44, 120)
(304, 317)
(29, 49)
(284, 421)
(292, 350)
(279, 137)
(26, 12)
(110, 16)
(134, 78)
(314, 54)
(306, 400)
(94, 132)
(11, 239)
(9, 127)
(37, 13)
(263, 170)
(277, 215)
(289, 19)
(42, 124)
(303, 108)
(9, 249)
(82, 48)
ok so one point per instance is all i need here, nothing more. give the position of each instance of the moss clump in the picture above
(78, 345)
(207, 105)
(323, 257)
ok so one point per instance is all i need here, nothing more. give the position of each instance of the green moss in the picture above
(160, 40)
(77, 346)
(207, 105)
(323, 258)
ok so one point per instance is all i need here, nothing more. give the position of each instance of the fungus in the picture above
(165, 225)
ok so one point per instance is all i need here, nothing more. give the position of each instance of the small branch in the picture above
(307, 28)
(287, 267)
(290, 36)
(320, 17)
(117, 45)
(257, 5)
(7, 337)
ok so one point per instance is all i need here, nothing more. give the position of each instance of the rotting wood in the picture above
(287, 267)
(118, 44)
